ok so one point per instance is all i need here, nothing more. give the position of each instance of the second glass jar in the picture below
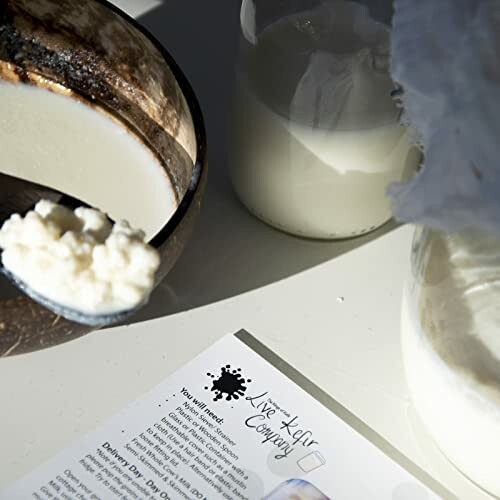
(451, 347)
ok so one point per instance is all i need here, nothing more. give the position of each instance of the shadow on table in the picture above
(231, 252)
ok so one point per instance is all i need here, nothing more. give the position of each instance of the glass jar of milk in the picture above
(317, 136)
(451, 347)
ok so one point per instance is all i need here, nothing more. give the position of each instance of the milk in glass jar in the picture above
(317, 134)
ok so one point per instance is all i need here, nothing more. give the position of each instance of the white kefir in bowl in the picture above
(317, 137)
(57, 141)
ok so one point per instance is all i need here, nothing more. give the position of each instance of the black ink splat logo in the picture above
(230, 384)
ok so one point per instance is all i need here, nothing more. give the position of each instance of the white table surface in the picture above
(237, 273)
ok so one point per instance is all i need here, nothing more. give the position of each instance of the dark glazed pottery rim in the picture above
(198, 125)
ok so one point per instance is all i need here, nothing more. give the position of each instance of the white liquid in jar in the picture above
(451, 352)
(59, 142)
(316, 145)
